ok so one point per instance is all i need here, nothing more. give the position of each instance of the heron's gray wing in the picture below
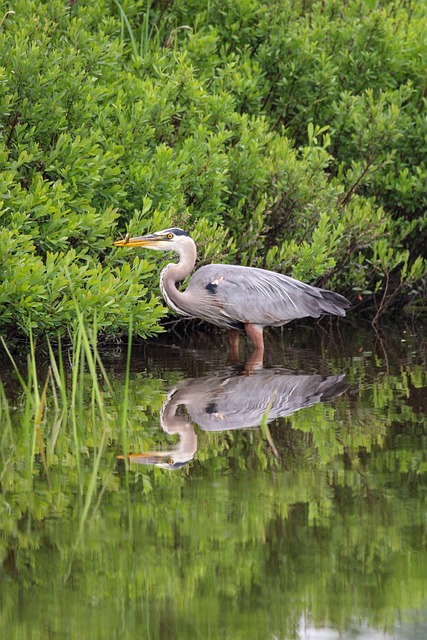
(251, 295)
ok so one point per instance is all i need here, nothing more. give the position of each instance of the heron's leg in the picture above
(233, 339)
(255, 360)
(255, 335)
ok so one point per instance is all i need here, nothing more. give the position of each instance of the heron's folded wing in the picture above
(257, 296)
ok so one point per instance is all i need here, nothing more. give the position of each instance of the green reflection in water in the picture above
(240, 542)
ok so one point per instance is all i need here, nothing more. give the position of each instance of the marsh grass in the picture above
(123, 424)
(67, 411)
(145, 35)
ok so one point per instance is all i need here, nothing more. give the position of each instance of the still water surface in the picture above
(309, 525)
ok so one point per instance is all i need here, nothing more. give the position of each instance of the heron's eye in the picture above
(170, 461)
(169, 236)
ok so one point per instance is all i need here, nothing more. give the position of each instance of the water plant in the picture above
(70, 414)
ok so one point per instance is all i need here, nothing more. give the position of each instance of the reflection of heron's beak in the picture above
(139, 241)
(149, 457)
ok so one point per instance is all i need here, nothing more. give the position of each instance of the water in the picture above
(309, 525)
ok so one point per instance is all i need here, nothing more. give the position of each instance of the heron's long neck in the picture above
(174, 273)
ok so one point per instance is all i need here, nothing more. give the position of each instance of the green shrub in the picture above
(284, 135)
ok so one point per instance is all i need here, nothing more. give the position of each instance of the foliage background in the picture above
(289, 135)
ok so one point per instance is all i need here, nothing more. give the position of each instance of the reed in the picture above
(6, 432)
(64, 413)
(124, 418)
(145, 32)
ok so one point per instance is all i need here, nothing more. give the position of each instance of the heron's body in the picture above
(247, 295)
(235, 297)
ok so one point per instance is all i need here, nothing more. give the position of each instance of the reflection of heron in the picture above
(235, 297)
(234, 401)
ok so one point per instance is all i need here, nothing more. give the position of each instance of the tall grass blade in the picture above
(58, 381)
(14, 365)
(76, 366)
(125, 403)
(6, 438)
(144, 31)
(4, 414)
(58, 373)
(33, 369)
(37, 427)
(125, 21)
(125, 444)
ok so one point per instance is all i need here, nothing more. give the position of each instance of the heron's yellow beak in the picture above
(139, 241)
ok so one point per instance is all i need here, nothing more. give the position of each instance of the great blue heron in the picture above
(234, 297)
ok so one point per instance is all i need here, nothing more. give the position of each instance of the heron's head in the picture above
(167, 240)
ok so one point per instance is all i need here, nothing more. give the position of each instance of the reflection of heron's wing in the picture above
(218, 404)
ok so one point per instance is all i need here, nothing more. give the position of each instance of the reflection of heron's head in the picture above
(163, 460)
